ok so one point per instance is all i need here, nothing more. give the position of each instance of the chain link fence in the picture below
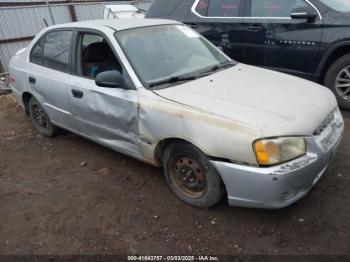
(19, 23)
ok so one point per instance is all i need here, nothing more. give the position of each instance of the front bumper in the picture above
(280, 186)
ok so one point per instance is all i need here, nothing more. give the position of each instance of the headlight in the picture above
(278, 150)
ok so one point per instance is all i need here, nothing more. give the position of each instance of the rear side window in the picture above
(56, 52)
(275, 8)
(36, 54)
(219, 8)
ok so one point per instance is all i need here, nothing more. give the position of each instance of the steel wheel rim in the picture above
(39, 116)
(342, 83)
(189, 176)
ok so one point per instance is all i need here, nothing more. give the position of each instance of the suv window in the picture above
(275, 8)
(219, 8)
(338, 5)
(56, 52)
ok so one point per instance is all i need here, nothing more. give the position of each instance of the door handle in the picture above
(32, 80)
(77, 93)
(255, 28)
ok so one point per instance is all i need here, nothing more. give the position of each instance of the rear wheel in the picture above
(40, 119)
(191, 176)
(338, 80)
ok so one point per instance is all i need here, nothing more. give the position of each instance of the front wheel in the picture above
(40, 119)
(191, 176)
(338, 80)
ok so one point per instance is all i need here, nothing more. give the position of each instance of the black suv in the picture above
(306, 38)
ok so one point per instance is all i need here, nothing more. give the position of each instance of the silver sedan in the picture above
(158, 91)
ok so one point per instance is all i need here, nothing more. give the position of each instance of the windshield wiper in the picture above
(173, 79)
(220, 66)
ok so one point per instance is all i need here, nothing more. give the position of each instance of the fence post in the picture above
(1, 68)
(50, 12)
(71, 8)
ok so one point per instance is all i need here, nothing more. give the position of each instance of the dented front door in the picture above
(106, 115)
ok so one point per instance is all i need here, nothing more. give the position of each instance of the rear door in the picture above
(275, 40)
(107, 115)
(220, 21)
(49, 77)
(255, 38)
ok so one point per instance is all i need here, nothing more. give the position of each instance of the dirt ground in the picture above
(68, 195)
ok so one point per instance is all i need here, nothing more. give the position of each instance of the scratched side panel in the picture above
(160, 119)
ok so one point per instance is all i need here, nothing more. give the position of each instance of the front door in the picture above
(106, 115)
(275, 40)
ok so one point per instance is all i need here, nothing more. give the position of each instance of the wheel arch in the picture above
(162, 144)
(334, 53)
(26, 96)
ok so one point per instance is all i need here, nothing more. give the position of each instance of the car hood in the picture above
(276, 103)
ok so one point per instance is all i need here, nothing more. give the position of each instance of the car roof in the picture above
(118, 24)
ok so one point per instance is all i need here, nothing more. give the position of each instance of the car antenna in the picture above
(45, 22)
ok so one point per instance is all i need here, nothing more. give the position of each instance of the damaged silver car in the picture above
(158, 91)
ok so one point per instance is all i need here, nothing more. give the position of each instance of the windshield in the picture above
(173, 52)
(338, 5)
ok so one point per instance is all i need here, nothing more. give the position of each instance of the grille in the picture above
(325, 124)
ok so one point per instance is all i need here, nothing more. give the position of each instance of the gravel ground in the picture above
(68, 195)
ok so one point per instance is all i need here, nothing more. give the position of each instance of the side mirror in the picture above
(304, 13)
(111, 79)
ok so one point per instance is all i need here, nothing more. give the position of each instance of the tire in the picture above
(203, 186)
(337, 69)
(41, 120)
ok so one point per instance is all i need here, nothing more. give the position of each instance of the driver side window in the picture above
(95, 56)
(275, 8)
(219, 8)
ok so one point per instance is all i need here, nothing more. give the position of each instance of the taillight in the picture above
(11, 79)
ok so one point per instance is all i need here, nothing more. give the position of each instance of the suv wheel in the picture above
(40, 119)
(191, 176)
(338, 80)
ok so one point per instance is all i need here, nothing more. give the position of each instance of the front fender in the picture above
(160, 119)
